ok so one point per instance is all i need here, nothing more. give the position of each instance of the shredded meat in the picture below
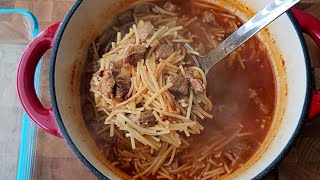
(180, 84)
(196, 84)
(145, 119)
(208, 17)
(163, 51)
(121, 89)
(133, 54)
(144, 30)
(107, 86)
(168, 6)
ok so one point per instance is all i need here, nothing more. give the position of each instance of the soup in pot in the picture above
(154, 114)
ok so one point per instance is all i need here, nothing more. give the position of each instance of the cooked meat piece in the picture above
(189, 61)
(142, 9)
(121, 88)
(145, 119)
(107, 86)
(133, 54)
(126, 17)
(168, 6)
(144, 29)
(180, 84)
(163, 51)
(196, 84)
(208, 17)
(117, 64)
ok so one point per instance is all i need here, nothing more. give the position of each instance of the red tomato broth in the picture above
(243, 95)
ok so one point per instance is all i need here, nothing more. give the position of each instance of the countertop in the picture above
(54, 160)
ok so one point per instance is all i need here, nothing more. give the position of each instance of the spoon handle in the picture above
(247, 30)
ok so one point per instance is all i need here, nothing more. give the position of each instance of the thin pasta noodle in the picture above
(136, 34)
(137, 127)
(154, 162)
(133, 97)
(164, 11)
(190, 104)
(148, 92)
(158, 93)
(154, 36)
(171, 158)
(162, 159)
(173, 115)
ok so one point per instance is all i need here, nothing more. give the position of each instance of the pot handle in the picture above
(31, 104)
(311, 26)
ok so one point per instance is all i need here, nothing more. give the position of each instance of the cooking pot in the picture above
(71, 38)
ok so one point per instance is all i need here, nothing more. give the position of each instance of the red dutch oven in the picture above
(71, 38)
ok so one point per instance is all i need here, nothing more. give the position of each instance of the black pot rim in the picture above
(95, 171)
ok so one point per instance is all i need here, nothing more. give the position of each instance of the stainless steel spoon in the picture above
(247, 30)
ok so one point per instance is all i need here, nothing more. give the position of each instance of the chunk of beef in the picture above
(168, 6)
(121, 88)
(144, 29)
(133, 54)
(180, 84)
(163, 51)
(107, 86)
(189, 61)
(196, 84)
(126, 17)
(208, 17)
(145, 119)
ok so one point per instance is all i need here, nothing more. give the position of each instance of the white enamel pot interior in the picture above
(87, 18)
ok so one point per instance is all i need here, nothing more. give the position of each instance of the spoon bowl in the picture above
(264, 17)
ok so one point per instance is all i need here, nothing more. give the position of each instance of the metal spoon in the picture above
(246, 31)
